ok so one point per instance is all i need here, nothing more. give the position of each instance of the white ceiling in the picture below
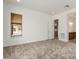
(73, 14)
(47, 6)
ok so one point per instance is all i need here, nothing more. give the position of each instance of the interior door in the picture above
(56, 29)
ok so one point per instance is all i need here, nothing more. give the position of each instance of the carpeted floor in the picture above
(49, 49)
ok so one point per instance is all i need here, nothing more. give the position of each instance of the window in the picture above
(16, 24)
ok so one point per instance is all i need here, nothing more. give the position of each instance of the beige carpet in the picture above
(49, 49)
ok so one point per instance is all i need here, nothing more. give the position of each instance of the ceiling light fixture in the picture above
(18, 0)
(70, 23)
(67, 6)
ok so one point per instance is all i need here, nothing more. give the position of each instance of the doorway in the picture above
(56, 29)
(72, 26)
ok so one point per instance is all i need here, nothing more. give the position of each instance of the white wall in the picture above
(35, 25)
(51, 29)
(63, 24)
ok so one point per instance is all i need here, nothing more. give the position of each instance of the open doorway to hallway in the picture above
(72, 26)
(56, 29)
